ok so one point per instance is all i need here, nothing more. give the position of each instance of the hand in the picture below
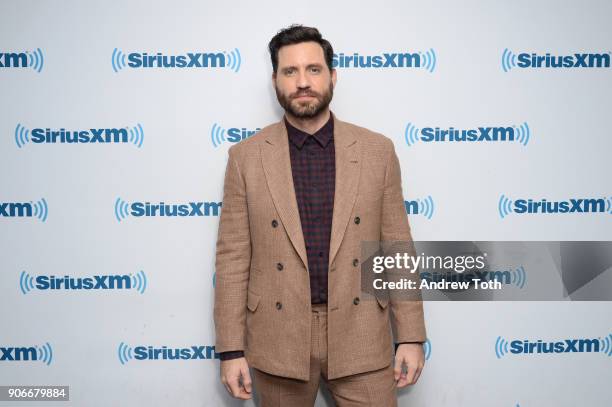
(232, 371)
(412, 355)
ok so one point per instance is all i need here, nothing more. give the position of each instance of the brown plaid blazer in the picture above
(262, 293)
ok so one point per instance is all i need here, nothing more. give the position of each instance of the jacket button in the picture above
(356, 300)
(279, 305)
(357, 220)
(274, 223)
(355, 262)
(279, 266)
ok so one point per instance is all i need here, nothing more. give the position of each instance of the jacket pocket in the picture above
(252, 300)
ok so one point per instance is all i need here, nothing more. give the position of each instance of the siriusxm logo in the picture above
(528, 347)
(425, 60)
(506, 206)
(35, 353)
(225, 59)
(28, 59)
(520, 134)
(423, 207)
(137, 282)
(199, 352)
(516, 277)
(38, 209)
(132, 135)
(510, 60)
(139, 209)
(234, 134)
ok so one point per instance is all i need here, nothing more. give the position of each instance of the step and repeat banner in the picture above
(116, 121)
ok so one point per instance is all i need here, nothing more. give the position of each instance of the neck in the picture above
(309, 125)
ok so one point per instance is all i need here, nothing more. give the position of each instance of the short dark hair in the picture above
(295, 34)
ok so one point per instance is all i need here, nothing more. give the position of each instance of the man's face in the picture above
(304, 84)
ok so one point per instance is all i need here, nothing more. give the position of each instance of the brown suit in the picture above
(266, 311)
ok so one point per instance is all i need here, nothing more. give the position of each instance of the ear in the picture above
(333, 76)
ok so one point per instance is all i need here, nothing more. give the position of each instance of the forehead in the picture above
(303, 53)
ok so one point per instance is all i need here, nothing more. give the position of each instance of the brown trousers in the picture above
(372, 389)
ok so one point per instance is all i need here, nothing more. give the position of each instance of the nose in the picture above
(302, 81)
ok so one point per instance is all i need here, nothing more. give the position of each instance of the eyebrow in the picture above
(317, 65)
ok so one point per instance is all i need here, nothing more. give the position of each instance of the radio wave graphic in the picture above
(609, 205)
(501, 347)
(426, 206)
(22, 135)
(411, 134)
(429, 60)
(41, 209)
(45, 353)
(136, 135)
(26, 282)
(508, 60)
(233, 59)
(504, 206)
(118, 60)
(36, 59)
(139, 281)
(124, 352)
(606, 345)
(523, 133)
(519, 277)
(121, 209)
(217, 135)
(427, 349)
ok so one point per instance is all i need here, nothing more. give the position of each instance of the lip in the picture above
(303, 96)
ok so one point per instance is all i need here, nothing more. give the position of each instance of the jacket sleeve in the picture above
(232, 262)
(407, 317)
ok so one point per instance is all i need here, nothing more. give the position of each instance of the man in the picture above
(299, 198)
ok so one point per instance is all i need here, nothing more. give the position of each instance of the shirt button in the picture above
(355, 262)
(356, 300)
(274, 223)
(279, 266)
(357, 220)
(320, 254)
(279, 305)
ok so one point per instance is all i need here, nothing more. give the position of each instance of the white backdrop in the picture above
(70, 209)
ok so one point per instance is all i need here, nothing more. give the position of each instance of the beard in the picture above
(305, 109)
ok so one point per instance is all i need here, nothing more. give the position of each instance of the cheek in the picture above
(285, 89)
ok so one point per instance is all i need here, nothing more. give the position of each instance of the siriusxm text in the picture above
(533, 60)
(573, 205)
(385, 60)
(165, 353)
(436, 134)
(188, 60)
(139, 209)
(110, 135)
(564, 346)
(97, 282)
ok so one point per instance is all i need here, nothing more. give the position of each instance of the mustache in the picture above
(304, 93)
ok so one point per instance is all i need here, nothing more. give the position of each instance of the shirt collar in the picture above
(322, 136)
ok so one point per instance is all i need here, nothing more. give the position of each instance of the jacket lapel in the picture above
(348, 169)
(276, 163)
